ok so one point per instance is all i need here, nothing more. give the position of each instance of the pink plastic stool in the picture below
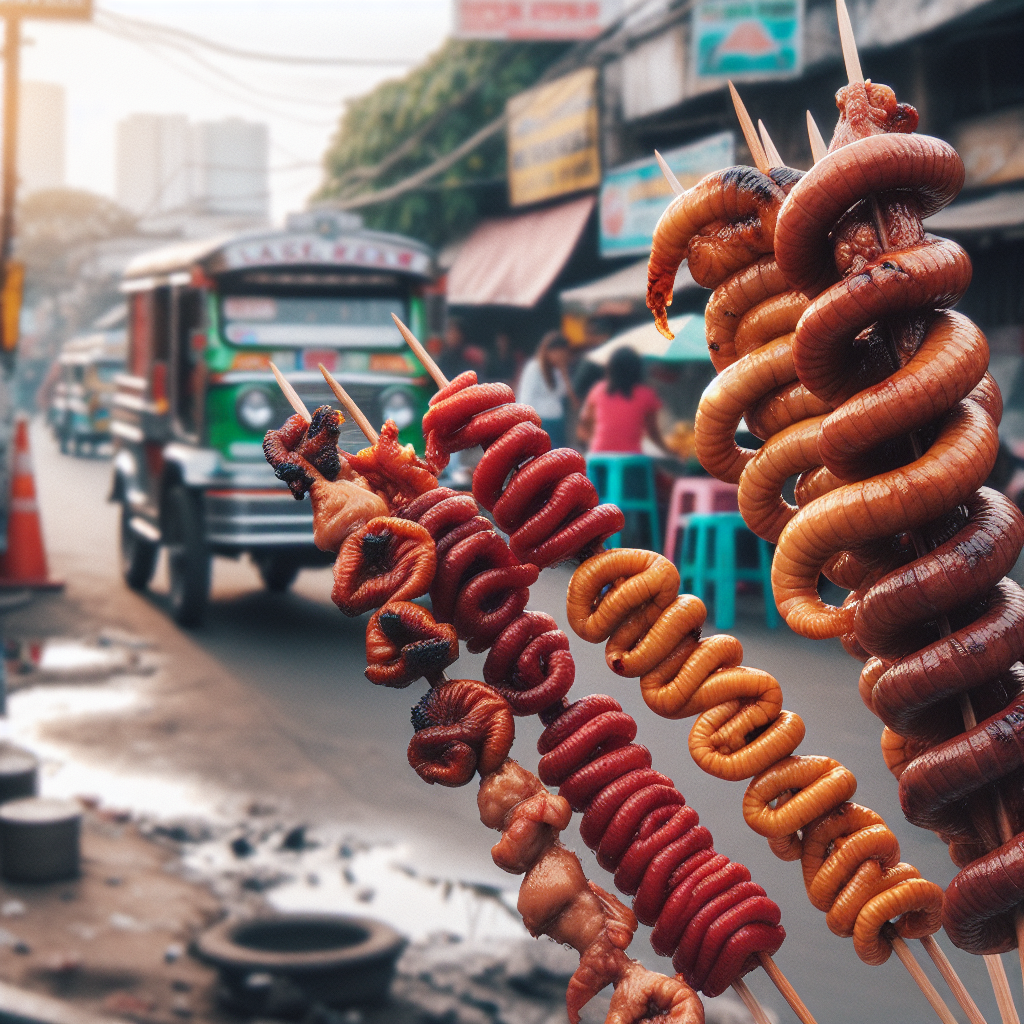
(695, 495)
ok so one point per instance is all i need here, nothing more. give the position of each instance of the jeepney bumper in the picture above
(246, 506)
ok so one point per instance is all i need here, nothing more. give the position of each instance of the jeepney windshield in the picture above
(299, 321)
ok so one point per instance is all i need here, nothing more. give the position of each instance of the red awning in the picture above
(512, 261)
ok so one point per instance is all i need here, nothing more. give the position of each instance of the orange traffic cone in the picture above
(23, 565)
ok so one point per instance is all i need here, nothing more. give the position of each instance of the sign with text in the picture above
(529, 19)
(635, 195)
(69, 9)
(748, 39)
(552, 139)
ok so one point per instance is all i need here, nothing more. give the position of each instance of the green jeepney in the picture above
(205, 321)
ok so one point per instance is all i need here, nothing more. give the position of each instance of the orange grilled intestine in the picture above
(800, 804)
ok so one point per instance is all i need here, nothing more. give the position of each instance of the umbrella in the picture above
(688, 346)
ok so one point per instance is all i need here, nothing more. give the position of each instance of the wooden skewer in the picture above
(769, 147)
(291, 394)
(351, 408)
(781, 982)
(1001, 987)
(952, 979)
(749, 134)
(818, 147)
(850, 56)
(909, 961)
(739, 986)
(421, 354)
(669, 176)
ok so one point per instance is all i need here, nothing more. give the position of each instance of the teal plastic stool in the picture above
(708, 558)
(627, 481)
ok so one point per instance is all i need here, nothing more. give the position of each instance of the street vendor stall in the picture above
(678, 369)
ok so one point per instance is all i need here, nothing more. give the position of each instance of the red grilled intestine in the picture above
(707, 913)
(539, 496)
(480, 587)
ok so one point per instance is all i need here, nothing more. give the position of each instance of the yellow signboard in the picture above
(10, 305)
(552, 139)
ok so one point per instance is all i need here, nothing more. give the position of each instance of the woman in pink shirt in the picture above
(620, 410)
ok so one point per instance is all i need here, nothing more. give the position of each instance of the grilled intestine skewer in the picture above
(459, 428)
(404, 642)
(888, 182)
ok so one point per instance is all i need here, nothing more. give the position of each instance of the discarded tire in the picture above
(39, 839)
(19, 772)
(332, 959)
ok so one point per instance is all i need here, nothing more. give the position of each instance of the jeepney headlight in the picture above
(254, 409)
(398, 406)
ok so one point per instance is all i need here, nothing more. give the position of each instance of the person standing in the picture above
(544, 384)
(620, 410)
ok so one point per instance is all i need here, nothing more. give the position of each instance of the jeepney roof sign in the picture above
(306, 250)
(371, 250)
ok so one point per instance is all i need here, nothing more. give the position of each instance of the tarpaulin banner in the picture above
(635, 195)
(531, 19)
(553, 139)
(748, 39)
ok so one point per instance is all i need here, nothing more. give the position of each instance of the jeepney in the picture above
(79, 412)
(205, 321)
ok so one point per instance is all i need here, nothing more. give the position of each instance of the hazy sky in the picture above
(108, 77)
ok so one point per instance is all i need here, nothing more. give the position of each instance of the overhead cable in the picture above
(102, 14)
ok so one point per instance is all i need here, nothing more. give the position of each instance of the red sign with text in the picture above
(529, 19)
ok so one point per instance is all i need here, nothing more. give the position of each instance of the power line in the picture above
(151, 39)
(234, 51)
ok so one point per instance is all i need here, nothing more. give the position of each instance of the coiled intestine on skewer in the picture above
(912, 438)
(714, 921)
(850, 859)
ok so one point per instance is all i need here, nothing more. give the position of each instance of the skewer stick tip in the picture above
(351, 408)
(850, 56)
(677, 188)
(421, 353)
(291, 394)
(769, 147)
(818, 147)
(749, 134)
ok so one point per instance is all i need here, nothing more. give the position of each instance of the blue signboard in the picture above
(635, 195)
(748, 39)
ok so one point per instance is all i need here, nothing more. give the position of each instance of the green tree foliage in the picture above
(55, 229)
(419, 118)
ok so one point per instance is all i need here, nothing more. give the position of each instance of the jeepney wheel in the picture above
(138, 555)
(278, 572)
(188, 556)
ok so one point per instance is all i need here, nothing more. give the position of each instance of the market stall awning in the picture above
(512, 261)
(1000, 211)
(688, 346)
(618, 294)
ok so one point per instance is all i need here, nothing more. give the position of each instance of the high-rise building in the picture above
(230, 170)
(167, 167)
(153, 164)
(41, 128)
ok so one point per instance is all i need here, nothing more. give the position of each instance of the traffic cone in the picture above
(23, 565)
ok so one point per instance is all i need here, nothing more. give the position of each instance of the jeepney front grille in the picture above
(366, 396)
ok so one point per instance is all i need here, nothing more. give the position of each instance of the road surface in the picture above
(288, 712)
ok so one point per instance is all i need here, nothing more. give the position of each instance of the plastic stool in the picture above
(716, 534)
(608, 472)
(695, 495)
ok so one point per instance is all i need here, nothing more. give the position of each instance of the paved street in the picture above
(272, 701)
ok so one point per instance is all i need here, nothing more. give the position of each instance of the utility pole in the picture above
(9, 186)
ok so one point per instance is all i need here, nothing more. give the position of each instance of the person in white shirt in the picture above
(544, 384)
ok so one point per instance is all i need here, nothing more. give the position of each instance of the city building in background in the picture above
(194, 178)
(41, 137)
